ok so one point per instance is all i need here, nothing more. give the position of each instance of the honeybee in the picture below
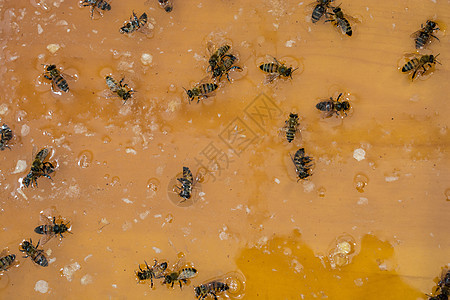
(6, 261)
(122, 90)
(157, 271)
(167, 5)
(291, 127)
(320, 9)
(39, 168)
(276, 69)
(201, 91)
(339, 20)
(96, 4)
(424, 35)
(331, 106)
(217, 56)
(224, 67)
(187, 181)
(37, 255)
(302, 163)
(6, 135)
(54, 75)
(50, 229)
(420, 65)
(134, 24)
(212, 288)
(444, 283)
(181, 276)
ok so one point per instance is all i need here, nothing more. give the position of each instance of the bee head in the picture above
(431, 24)
(189, 93)
(345, 105)
(168, 8)
(292, 115)
(50, 67)
(25, 245)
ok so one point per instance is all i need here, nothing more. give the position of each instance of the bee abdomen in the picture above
(43, 229)
(317, 13)
(410, 65)
(269, 67)
(207, 88)
(40, 259)
(346, 27)
(103, 5)
(62, 83)
(325, 106)
(6, 261)
(421, 40)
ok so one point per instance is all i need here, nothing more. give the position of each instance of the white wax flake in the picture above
(393, 25)
(130, 151)
(127, 225)
(201, 194)
(391, 178)
(25, 130)
(434, 1)
(41, 286)
(157, 250)
(39, 29)
(157, 216)
(70, 269)
(290, 43)
(223, 235)
(144, 214)
(3, 109)
(198, 57)
(87, 257)
(126, 200)
(52, 48)
(359, 154)
(146, 59)
(363, 200)
(358, 282)
(277, 181)
(276, 25)
(308, 186)
(86, 279)
(51, 260)
(20, 166)
(114, 285)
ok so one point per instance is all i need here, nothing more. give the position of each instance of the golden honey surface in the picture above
(371, 222)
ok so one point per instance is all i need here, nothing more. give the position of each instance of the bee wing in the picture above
(210, 47)
(416, 34)
(46, 237)
(274, 59)
(353, 19)
(327, 114)
(271, 77)
(3, 253)
(45, 219)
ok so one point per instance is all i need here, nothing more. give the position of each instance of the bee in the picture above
(225, 66)
(331, 106)
(6, 135)
(6, 261)
(201, 91)
(302, 163)
(212, 288)
(57, 79)
(39, 168)
(50, 229)
(134, 24)
(96, 4)
(339, 20)
(276, 69)
(419, 64)
(444, 283)
(181, 276)
(291, 127)
(217, 56)
(166, 5)
(37, 255)
(157, 271)
(122, 90)
(187, 181)
(320, 9)
(424, 35)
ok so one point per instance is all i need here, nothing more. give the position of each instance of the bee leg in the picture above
(47, 77)
(435, 37)
(48, 176)
(151, 281)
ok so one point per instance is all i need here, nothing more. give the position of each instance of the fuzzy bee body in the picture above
(6, 261)
(166, 5)
(39, 168)
(217, 56)
(50, 229)
(134, 24)
(36, 255)
(339, 20)
(320, 9)
(157, 271)
(52, 73)
(302, 163)
(6, 135)
(331, 106)
(187, 181)
(424, 35)
(276, 69)
(212, 288)
(420, 65)
(122, 90)
(201, 91)
(96, 4)
(225, 66)
(291, 127)
(181, 276)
